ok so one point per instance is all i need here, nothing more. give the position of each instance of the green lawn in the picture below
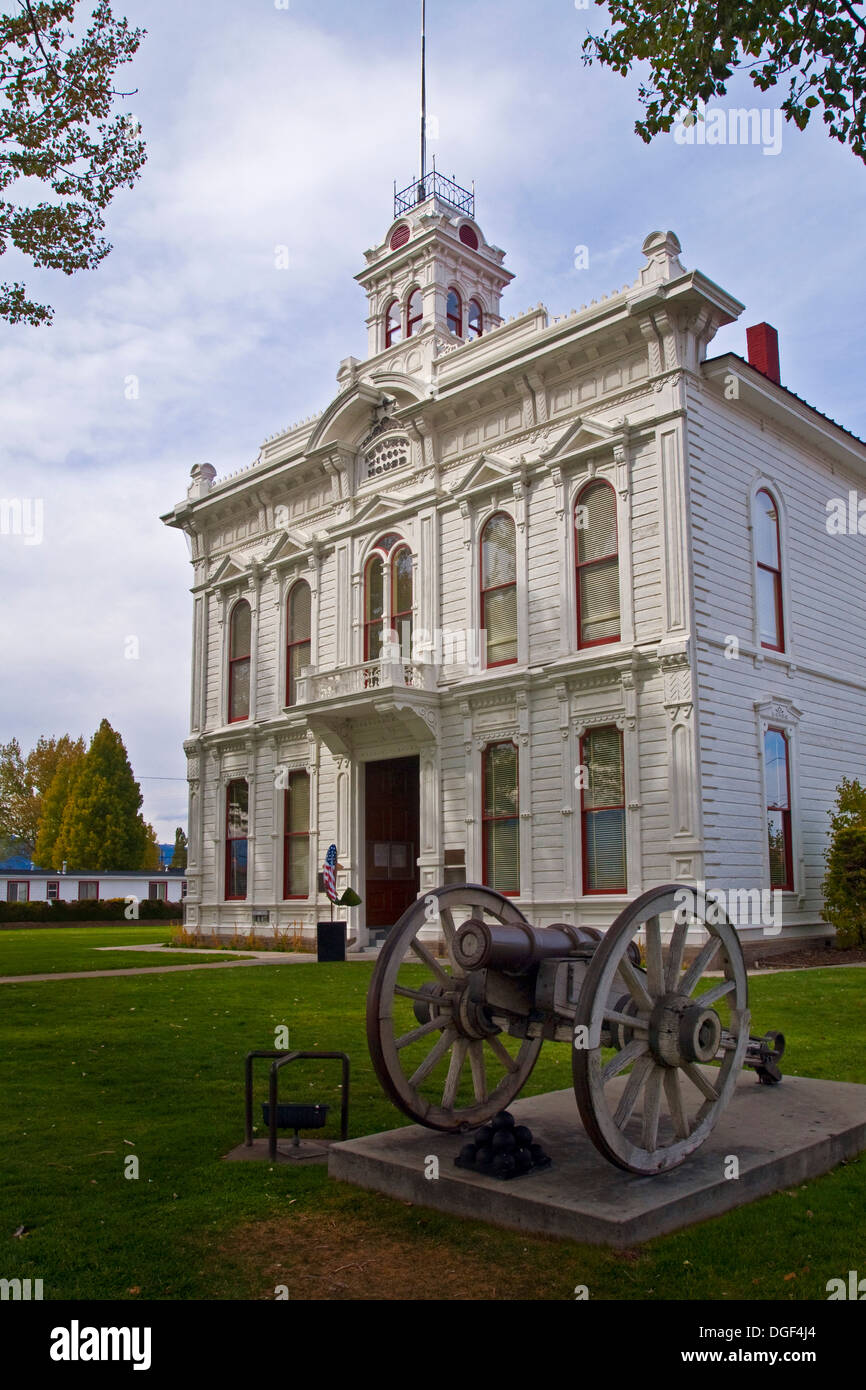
(95, 1070)
(43, 950)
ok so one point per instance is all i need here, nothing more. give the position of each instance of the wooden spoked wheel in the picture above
(436, 1051)
(646, 1080)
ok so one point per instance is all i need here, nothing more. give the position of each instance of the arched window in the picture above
(500, 819)
(296, 836)
(401, 598)
(374, 607)
(476, 319)
(414, 312)
(393, 325)
(455, 313)
(240, 637)
(468, 236)
(499, 589)
(768, 554)
(299, 641)
(237, 831)
(597, 565)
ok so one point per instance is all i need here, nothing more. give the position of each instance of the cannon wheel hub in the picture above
(681, 1031)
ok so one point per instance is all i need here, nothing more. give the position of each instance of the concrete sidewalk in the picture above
(260, 958)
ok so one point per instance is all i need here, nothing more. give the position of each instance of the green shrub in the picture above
(88, 910)
(845, 880)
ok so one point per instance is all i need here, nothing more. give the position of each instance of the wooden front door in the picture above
(391, 827)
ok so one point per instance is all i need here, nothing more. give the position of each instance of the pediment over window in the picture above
(290, 545)
(490, 470)
(229, 571)
(379, 508)
(779, 710)
(584, 435)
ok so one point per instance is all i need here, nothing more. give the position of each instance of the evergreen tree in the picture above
(152, 852)
(102, 826)
(845, 880)
(50, 851)
(178, 859)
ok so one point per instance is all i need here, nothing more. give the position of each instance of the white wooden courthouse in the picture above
(550, 604)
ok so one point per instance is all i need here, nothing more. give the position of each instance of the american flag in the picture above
(329, 873)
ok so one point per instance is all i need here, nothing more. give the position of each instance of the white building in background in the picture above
(550, 604)
(41, 885)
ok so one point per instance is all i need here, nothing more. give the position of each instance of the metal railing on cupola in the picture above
(434, 185)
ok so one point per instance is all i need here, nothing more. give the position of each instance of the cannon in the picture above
(466, 990)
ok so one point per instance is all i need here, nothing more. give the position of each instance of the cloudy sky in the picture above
(272, 124)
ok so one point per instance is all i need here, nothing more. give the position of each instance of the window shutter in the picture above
(599, 601)
(239, 696)
(500, 621)
(503, 856)
(241, 630)
(300, 615)
(498, 552)
(596, 537)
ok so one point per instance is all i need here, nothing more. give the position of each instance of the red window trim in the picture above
(587, 564)
(81, 883)
(788, 885)
(489, 820)
(235, 897)
(585, 811)
(236, 661)
(17, 882)
(372, 622)
(305, 642)
(293, 835)
(393, 329)
(48, 883)
(402, 613)
(158, 883)
(410, 322)
(475, 330)
(457, 318)
(777, 577)
(496, 588)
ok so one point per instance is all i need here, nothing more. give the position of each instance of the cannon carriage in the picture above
(465, 992)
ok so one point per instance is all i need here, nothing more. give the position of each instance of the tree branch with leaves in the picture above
(694, 47)
(58, 129)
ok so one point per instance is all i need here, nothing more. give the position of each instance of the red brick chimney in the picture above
(762, 345)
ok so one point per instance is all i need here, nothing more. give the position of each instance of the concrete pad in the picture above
(780, 1135)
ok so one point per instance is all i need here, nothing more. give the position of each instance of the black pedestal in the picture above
(330, 941)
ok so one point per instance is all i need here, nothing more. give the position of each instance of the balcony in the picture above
(395, 695)
(367, 678)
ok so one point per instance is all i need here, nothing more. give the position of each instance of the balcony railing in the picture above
(435, 185)
(368, 676)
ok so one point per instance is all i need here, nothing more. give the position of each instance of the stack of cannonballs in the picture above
(503, 1149)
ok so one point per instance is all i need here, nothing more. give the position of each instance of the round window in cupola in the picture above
(400, 236)
(469, 236)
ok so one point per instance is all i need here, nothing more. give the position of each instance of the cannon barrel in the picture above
(515, 947)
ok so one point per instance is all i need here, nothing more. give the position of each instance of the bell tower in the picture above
(435, 277)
